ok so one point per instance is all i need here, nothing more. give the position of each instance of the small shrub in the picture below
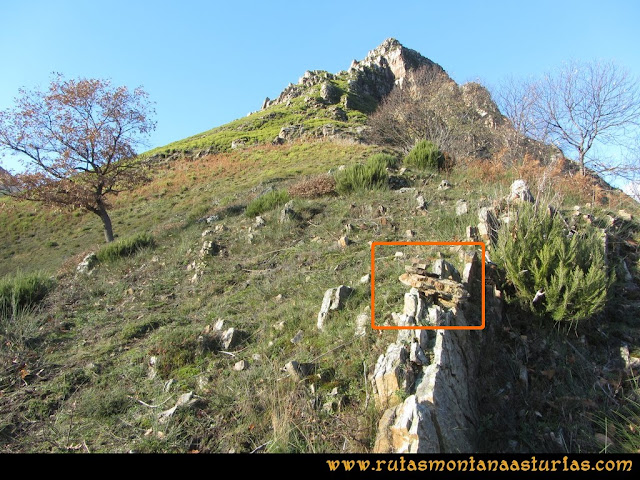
(426, 156)
(266, 202)
(372, 175)
(384, 159)
(554, 272)
(124, 247)
(22, 291)
(314, 187)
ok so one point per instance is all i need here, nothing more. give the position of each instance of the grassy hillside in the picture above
(308, 111)
(92, 367)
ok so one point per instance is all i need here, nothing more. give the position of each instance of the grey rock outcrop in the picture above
(384, 67)
(334, 299)
(520, 192)
(88, 264)
(426, 380)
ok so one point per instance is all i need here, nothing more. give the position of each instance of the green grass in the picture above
(266, 202)
(124, 247)
(121, 345)
(23, 291)
(372, 175)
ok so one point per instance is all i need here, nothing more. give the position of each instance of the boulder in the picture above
(88, 264)
(444, 185)
(446, 270)
(334, 299)
(462, 208)
(287, 213)
(392, 375)
(259, 222)
(363, 322)
(488, 224)
(422, 203)
(520, 192)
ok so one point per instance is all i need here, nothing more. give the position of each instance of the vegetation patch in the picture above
(23, 291)
(425, 155)
(555, 271)
(315, 186)
(372, 175)
(124, 248)
(266, 202)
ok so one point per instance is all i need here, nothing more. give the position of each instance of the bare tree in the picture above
(517, 100)
(77, 143)
(429, 105)
(405, 115)
(577, 107)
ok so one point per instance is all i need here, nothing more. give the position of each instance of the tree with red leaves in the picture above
(77, 143)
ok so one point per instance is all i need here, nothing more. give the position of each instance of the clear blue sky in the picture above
(206, 63)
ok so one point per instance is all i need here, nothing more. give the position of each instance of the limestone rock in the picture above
(329, 93)
(407, 428)
(462, 208)
(230, 338)
(241, 365)
(415, 305)
(88, 264)
(363, 322)
(417, 355)
(300, 371)
(446, 270)
(334, 299)
(237, 143)
(392, 375)
(444, 185)
(520, 192)
(344, 241)
(288, 213)
(472, 233)
(259, 222)
(184, 400)
(488, 224)
(209, 248)
(422, 203)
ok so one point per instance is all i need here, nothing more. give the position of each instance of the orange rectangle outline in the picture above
(453, 327)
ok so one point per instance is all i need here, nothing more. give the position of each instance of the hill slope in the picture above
(98, 365)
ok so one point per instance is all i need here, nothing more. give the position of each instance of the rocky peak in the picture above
(386, 66)
(373, 77)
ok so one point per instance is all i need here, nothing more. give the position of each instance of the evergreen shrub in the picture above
(555, 272)
(426, 156)
(371, 175)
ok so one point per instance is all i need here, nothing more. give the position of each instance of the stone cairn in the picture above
(425, 382)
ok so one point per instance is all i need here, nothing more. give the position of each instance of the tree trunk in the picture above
(106, 222)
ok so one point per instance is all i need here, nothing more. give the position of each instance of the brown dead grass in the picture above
(315, 186)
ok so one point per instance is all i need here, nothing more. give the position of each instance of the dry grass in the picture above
(315, 186)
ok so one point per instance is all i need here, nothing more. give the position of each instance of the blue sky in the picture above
(206, 63)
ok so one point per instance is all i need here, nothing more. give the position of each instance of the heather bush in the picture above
(554, 272)
(371, 175)
(426, 156)
(266, 202)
